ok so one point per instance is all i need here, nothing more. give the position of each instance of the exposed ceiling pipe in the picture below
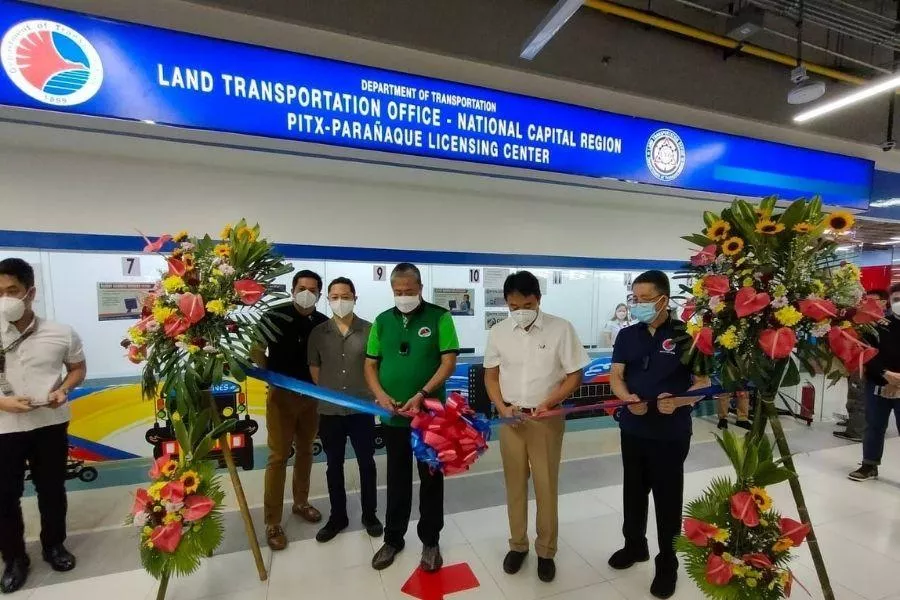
(639, 16)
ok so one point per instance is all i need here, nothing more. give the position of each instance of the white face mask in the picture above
(895, 308)
(341, 307)
(524, 318)
(11, 309)
(407, 304)
(305, 299)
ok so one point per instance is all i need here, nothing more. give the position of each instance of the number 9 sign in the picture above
(379, 273)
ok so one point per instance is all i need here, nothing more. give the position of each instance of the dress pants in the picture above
(856, 406)
(399, 492)
(47, 451)
(334, 431)
(878, 415)
(290, 418)
(533, 448)
(655, 466)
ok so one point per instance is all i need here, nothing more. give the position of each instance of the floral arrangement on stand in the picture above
(769, 296)
(199, 323)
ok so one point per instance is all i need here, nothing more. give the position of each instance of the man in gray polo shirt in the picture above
(337, 354)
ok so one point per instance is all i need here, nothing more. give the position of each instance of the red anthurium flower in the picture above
(197, 507)
(870, 310)
(690, 307)
(192, 307)
(818, 309)
(699, 532)
(173, 492)
(748, 301)
(249, 291)
(703, 341)
(705, 257)
(175, 326)
(136, 354)
(718, 571)
(851, 350)
(156, 469)
(788, 584)
(158, 244)
(141, 501)
(166, 537)
(743, 508)
(778, 343)
(176, 267)
(794, 530)
(760, 561)
(716, 285)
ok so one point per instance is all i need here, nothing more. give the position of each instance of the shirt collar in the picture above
(355, 325)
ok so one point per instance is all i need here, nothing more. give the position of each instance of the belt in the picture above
(527, 411)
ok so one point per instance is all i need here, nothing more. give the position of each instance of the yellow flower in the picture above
(763, 214)
(162, 313)
(176, 416)
(226, 232)
(768, 227)
(803, 227)
(136, 336)
(748, 282)
(846, 325)
(782, 545)
(718, 231)
(188, 261)
(173, 283)
(216, 307)
(739, 571)
(149, 543)
(718, 307)
(222, 250)
(192, 349)
(169, 468)
(762, 499)
(191, 481)
(245, 234)
(751, 581)
(840, 221)
(697, 288)
(155, 490)
(722, 536)
(172, 517)
(780, 291)
(147, 530)
(693, 327)
(729, 339)
(180, 236)
(788, 316)
(732, 246)
(818, 287)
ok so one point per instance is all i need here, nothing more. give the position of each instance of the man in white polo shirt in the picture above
(40, 361)
(533, 362)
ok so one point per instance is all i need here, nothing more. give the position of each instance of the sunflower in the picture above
(180, 236)
(718, 231)
(782, 545)
(762, 499)
(189, 262)
(732, 246)
(169, 468)
(191, 481)
(769, 227)
(803, 227)
(245, 234)
(840, 221)
(226, 232)
(222, 250)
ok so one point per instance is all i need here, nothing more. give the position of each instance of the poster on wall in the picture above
(494, 278)
(492, 317)
(493, 298)
(457, 300)
(118, 301)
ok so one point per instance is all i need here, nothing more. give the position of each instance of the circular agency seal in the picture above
(665, 155)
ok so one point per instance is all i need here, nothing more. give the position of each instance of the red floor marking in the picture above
(433, 586)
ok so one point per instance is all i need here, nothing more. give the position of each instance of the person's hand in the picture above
(510, 412)
(892, 377)
(542, 408)
(413, 405)
(636, 407)
(665, 404)
(15, 404)
(58, 398)
(386, 402)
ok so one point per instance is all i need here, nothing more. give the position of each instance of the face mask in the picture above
(407, 304)
(645, 312)
(341, 308)
(524, 318)
(895, 308)
(11, 309)
(305, 299)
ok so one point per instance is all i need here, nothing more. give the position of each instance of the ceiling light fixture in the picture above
(885, 203)
(553, 22)
(863, 93)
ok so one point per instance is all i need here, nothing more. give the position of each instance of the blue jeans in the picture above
(878, 415)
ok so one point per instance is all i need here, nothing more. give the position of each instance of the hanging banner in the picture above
(59, 60)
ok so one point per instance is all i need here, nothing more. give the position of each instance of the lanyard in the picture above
(14, 345)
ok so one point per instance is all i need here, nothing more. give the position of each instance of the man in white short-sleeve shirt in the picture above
(40, 362)
(533, 362)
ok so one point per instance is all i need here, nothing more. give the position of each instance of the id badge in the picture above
(5, 387)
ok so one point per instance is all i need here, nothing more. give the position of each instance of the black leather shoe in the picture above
(748, 425)
(513, 562)
(373, 526)
(546, 569)
(666, 578)
(15, 575)
(330, 530)
(432, 560)
(59, 558)
(627, 557)
(385, 557)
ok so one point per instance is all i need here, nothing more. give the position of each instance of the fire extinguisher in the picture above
(807, 402)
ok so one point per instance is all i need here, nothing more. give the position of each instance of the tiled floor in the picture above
(858, 527)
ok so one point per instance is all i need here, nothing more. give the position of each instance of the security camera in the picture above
(888, 145)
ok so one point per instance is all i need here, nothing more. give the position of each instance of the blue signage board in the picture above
(59, 60)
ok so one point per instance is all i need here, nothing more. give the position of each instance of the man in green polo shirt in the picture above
(411, 353)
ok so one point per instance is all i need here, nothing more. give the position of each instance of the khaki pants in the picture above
(742, 404)
(290, 418)
(533, 447)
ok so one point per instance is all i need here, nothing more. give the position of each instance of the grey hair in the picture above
(404, 270)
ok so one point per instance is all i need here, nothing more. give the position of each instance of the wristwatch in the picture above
(424, 394)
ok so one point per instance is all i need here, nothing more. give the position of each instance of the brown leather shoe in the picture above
(307, 512)
(275, 537)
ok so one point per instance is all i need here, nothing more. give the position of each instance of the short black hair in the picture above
(523, 282)
(306, 273)
(19, 269)
(405, 270)
(882, 294)
(342, 281)
(895, 288)
(658, 279)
